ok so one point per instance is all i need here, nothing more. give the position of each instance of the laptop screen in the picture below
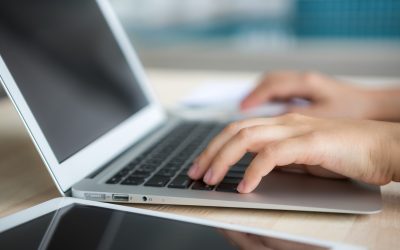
(70, 70)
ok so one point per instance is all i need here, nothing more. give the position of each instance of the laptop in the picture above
(79, 87)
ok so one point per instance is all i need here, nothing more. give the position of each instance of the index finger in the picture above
(298, 150)
(276, 86)
(203, 161)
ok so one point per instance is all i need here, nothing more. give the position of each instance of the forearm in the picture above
(384, 104)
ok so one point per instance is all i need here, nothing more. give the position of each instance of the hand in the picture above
(363, 150)
(329, 97)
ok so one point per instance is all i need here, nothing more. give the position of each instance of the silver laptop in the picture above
(81, 91)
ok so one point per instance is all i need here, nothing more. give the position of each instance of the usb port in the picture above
(120, 197)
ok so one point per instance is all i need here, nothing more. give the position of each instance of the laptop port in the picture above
(120, 197)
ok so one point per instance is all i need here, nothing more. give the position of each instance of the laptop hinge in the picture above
(68, 193)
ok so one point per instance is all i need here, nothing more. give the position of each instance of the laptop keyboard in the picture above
(165, 164)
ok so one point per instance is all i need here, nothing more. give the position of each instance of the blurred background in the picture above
(357, 37)
(353, 37)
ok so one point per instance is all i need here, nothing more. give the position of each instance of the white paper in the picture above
(221, 100)
(217, 94)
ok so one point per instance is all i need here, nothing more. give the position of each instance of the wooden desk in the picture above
(25, 182)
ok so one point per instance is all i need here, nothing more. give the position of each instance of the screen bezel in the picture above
(58, 203)
(98, 153)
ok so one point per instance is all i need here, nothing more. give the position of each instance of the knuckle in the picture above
(206, 154)
(294, 117)
(268, 150)
(244, 134)
(377, 170)
(275, 77)
(233, 127)
(250, 174)
(220, 160)
(313, 137)
(221, 164)
(310, 77)
(255, 173)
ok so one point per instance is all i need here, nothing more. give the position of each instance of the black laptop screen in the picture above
(69, 68)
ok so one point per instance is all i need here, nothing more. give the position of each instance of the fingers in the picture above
(203, 161)
(251, 139)
(275, 145)
(298, 150)
(312, 110)
(284, 85)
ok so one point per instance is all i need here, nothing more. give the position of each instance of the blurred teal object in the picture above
(371, 19)
(273, 23)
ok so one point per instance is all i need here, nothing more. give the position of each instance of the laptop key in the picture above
(124, 171)
(144, 165)
(131, 166)
(229, 184)
(134, 181)
(172, 166)
(238, 168)
(184, 173)
(246, 159)
(187, 166)
(199, 185)
(227, 187)
(117, 177)
(140, 174)
(177, 162)
(234, 175)
(120, 175)
(147, 168)
(229, 180)
(180, 182)
(166, 172)
(114, 180)
(154, 161)
(157, 181)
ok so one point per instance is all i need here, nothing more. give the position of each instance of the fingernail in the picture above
(193, 169)
(241, 187)
(208, 176)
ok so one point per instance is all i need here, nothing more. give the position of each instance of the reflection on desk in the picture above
(76, 224)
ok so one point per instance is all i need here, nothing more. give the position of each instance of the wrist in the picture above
(381, 105)
(384, 148)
